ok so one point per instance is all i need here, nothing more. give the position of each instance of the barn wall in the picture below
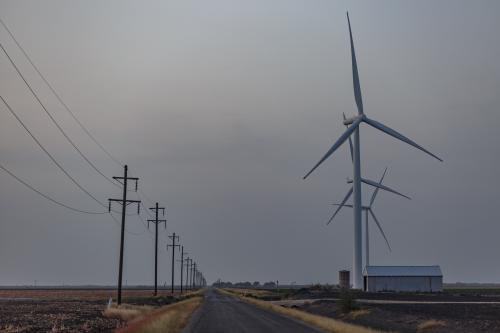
(405, 283)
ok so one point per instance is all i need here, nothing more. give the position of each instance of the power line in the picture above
(145, 209)
(145, 225)
(54, 121)
(146, 197)
(68, 109)
(49, 155)
(62, 204)
(127, 231)
(59, 97)
(45, 195)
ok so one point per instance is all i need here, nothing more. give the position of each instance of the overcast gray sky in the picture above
(221, 107)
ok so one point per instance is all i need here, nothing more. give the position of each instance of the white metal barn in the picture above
(403, 278)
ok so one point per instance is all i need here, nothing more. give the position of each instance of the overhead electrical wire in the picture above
(45, 195)
(59, 97)
(68, 109)
(50, 155)
(54, 121)
(10, 173)
(127, 231)
(144, 207)
(18, 179)
(146, 197)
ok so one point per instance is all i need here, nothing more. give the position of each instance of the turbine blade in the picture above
(351, 206)
(376, 189)
(348, 195)
(355, 76)
(397, 135)
(337, 144)
(383, 187)
(380, 228)
(350, 140)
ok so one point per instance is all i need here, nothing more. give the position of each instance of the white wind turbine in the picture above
(367, 210)
(353, 129)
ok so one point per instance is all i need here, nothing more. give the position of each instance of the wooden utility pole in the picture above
(174, 238)
(182, 264)
(193, 274)
(124, 202)
(156, 221)
(188, 260)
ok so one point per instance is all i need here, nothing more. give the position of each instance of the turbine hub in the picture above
(349, 121)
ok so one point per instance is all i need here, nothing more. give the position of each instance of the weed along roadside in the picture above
(170, 318)
(324, 323)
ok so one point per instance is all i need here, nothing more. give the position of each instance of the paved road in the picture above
(226, 314)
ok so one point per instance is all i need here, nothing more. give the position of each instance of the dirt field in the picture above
(409, 318)
(406, 318)
(63, 310)
(447, 296)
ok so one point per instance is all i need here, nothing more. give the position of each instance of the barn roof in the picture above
(402, 271)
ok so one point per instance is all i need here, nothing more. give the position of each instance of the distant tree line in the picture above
(247, 284)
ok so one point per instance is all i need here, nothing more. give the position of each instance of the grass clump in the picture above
(430, 324)
(355, 314)
(347, 301)
(126, 312)
(324, 323)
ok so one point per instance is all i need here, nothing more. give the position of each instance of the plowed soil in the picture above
(60, 310)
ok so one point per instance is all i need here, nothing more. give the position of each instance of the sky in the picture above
(221, 107)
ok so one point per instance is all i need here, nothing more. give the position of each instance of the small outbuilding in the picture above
(403, 278)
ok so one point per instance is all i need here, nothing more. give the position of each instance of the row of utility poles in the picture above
(194, 278)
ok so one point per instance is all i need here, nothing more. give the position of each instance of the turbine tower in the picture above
(353, 129)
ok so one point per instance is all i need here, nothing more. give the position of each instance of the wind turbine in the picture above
(367, 210)
(353, 129)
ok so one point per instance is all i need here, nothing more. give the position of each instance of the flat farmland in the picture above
(64, 310)
(454, 310)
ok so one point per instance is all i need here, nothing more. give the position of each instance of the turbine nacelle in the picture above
(350, 120)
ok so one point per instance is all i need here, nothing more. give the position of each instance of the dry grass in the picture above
(127, 312)
(430, 324)
(355, 314)
(168, 319)
(324, 323)
(256, 293)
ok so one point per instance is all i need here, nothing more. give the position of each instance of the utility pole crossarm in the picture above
(159, 208)
(123, 181)
(158, 222)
